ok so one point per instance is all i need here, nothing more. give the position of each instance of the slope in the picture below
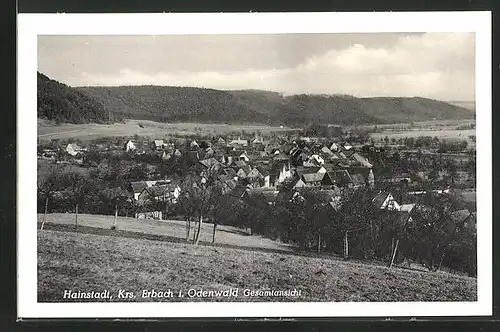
(61, 103)
(174, 104)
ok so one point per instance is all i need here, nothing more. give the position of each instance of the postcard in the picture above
(254, 165)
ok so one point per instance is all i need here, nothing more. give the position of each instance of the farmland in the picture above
(91, 131)
(84, 262)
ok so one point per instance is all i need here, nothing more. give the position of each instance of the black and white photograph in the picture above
(336, 167)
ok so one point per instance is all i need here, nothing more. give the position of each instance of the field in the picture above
(90, 131)
(226, 235)
(443, 130)
(148, 254)
(86, 262)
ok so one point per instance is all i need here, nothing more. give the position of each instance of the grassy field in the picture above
(90, 131)
(88, 262)
(170, 229)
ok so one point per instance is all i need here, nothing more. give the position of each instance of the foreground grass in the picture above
(87, 262)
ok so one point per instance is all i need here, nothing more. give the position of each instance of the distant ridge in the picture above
(190, 104)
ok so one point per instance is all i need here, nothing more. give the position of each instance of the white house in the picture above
(129, 146)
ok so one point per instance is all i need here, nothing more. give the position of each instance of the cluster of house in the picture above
(278, 169)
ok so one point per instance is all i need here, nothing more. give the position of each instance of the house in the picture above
(238, 142)
(340, 178)
(210, 163)
(257, 140)
(177, 153)
(347, 146)
(166, 192)
(194, 145)
(285, 173)
(221, 141)
(73, 149)
(266, 177)
(385, 201)
(228, 172)
(243, 171)
(313, 179)
(363, 175)
(255, 174)
(129, 146)
(334, 147)
(136, 188)
(464, 219)
(237, 155)
(314, 160)
(356, 157)
(268, 194)
(157, 144)
(166, 156)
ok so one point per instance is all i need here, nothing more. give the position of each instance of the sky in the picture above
(432, 65)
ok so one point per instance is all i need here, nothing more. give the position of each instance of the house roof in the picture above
(254, 173)
(158, 142)
(312, 177)
(238, 192)
(340, 176)
(236, 153)
(239, 163)
(301, 170)
(326, 150)
(406, 207)
(209, 163)
(138, 186)
(460, 215)
(362, 160)
(229, 171)
(380, 198)
(156, 191)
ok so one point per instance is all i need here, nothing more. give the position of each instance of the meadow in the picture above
(146, 128)
(84, 262)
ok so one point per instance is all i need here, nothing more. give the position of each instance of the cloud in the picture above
(435, 65)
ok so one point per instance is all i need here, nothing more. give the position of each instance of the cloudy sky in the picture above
(434, 65)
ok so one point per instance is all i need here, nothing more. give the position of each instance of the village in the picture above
(275, 171)
(245, 167)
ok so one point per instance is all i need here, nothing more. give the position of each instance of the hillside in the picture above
(61, 103)
(85, 262)
(173, 104)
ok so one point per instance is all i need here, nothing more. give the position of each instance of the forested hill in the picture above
(61, 103)
(164, 103)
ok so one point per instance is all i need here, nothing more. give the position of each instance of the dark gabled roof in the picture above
(263, 170)
(238, 192)
(340, 176)
(380, 198)
(239, 163)
(460, 215)
(236, 153)
(156, 191)
(229, 171)
(348, 153)
(209, 163)
(254, 173)
(138, 186)
(301, 170)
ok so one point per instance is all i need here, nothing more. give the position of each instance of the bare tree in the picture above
(46, 189)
